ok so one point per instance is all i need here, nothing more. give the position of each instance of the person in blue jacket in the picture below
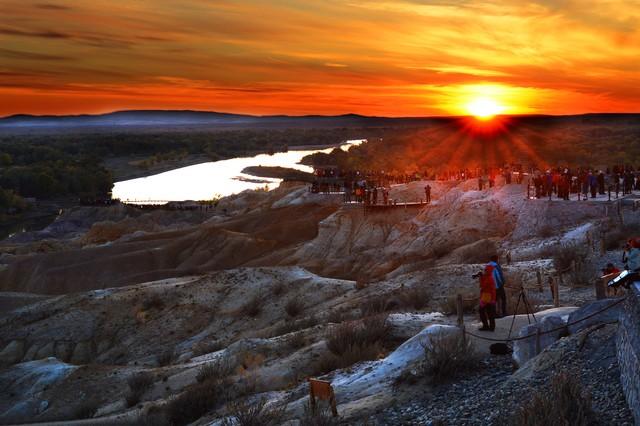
(498, 278)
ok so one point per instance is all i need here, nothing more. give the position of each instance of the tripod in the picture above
(522, 297)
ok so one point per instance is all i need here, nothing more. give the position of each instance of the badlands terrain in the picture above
(116, 315)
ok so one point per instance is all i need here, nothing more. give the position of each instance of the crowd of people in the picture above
(585, 181)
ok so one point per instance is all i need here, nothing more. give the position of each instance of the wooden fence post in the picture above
(460, 310)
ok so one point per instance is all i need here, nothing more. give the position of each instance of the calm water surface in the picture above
(208, 180)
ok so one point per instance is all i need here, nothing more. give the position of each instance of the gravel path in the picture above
(493, 393)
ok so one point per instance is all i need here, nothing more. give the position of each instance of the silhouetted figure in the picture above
(427, 193)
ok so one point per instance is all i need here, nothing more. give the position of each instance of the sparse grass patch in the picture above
(294, 306)
(244, 413)
(565, 403)
(448, 355)
(138, 384)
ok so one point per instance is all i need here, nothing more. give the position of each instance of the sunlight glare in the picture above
(484, 108)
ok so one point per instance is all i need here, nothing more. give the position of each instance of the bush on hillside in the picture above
(253, 307)
(244, 413)
(565, 403)
(194, 402)
(352, 342)
(166, 357)
(138, 385)
(294, 306)
(215, 370)
(448, 355)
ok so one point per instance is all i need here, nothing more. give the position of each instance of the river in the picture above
(211, 180)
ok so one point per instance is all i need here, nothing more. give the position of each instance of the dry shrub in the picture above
(297, 341)
(477, 252)
(216, 370)
(153, 302)
(565, 403)
(567, 254)
(414, 298)
(534, 301)
(321, 416)
(279, 288)
(375, 305)
(206, 347)
(291, 326)
(166, 357)
(354, 341)
(253, 307)
(448, 355)
(249, 361)
(138, 385)
(546, 231)
(294, 306)
(575, 259)
(615, 238)
(155, 416)
(243, 413)
(449, 305)
(194, 402)
(86, 409)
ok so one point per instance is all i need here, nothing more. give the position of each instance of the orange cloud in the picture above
(385, 57)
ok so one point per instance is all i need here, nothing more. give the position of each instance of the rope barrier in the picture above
(513, 339)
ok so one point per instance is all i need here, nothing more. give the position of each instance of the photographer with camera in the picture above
(487, 298)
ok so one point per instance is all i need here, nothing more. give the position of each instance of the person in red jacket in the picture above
(488, 299)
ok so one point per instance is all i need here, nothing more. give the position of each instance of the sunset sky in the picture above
(382, 57)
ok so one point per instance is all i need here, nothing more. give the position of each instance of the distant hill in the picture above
(195, 118)
(168, 118)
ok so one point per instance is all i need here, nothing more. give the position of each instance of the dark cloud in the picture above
(42, 34)
(32, 56)
(52, 6)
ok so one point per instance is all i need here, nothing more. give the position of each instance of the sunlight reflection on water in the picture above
(207, 180)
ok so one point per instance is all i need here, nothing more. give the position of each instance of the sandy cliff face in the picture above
(353, 244)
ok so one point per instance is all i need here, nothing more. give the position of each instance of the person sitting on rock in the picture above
(487, 299)
(610, 269)
(631, 254)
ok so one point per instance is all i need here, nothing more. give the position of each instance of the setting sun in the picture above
(484, 108)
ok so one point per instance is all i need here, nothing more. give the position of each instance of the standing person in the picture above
(375, 195)
(601, 182)
(427, 193)
(487, 299)
(593, 184)
(501, 297)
